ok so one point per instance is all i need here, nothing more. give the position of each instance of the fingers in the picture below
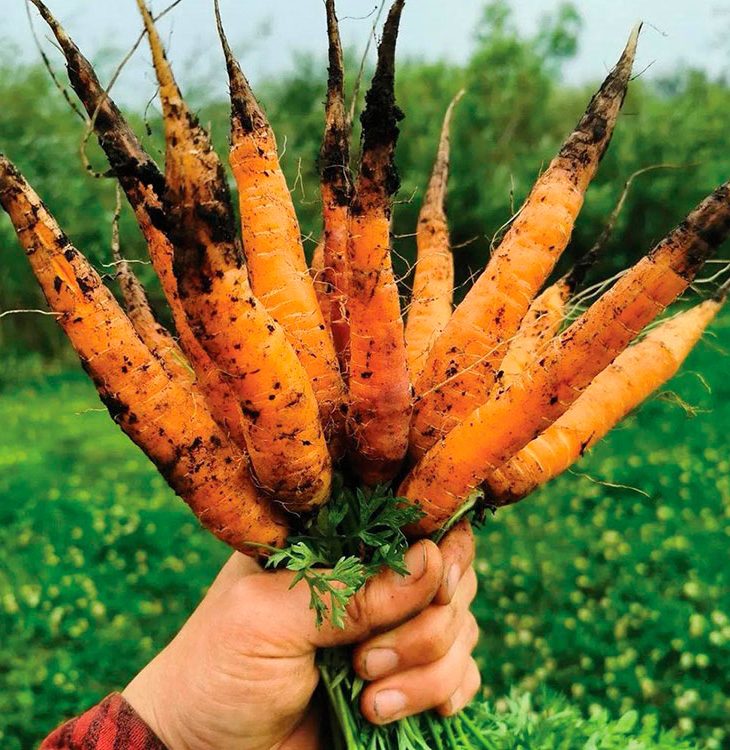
(464, 694)
(388, 599)
(422, 640)
(457, 551)
(444, 682)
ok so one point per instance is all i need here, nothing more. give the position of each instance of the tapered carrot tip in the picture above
(381, 115)
(334, 153)
(589, 141)
(436, 190)
(245, 110)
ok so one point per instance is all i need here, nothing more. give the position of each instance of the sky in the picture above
(266, 34)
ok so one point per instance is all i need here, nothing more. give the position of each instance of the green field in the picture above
(614, 598)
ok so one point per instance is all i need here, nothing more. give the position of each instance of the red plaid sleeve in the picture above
(111, 725)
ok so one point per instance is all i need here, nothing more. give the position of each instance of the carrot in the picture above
(380, 393)
(281, 424)
(621, 387)
(336, 189)
(161, 415)
(321, 287)
(139, 311)
(547, 312)
(541, 322)
(512, 417)
(461, 367)
(144, 186)
(433, 282)
(273, 245)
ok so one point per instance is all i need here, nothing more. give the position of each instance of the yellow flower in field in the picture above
(10, 603)
(524, 637)
(685, 725)
(664, 513)
(648, 688)
(692, 589)
(697, 625)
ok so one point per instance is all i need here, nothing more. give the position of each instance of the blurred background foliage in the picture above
(612, 597)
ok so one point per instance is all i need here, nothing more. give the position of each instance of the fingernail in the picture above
(416, 560)
(452, 705)
(452, 581)
(388, 703)
(380, 661)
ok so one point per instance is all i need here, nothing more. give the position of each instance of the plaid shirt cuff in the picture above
(111, 725)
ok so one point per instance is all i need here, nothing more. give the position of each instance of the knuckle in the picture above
(473, 631)
(358, 611)
(434, 642)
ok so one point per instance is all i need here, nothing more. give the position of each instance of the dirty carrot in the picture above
(281, 426)
(621, 387)
(162, 416)
(380, 394)
(512, 417)
(321, 286)
(336, 189)
(433, 281)
(547, 312)
(542, 321)
(273, 245)
(144, 186)
(139, 311)
(461, 367)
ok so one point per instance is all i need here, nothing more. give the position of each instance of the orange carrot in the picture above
(621, 387)
(380, 394)
(161, 415)
(140, 313)
(321, 287)
(542, 321)
(144, 187)
(433, 282)
(547, 312)
(281, 424)
(336, 188)
(461, 367)
(512, 417)
(273, 245)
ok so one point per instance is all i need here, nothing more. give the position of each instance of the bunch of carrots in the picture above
(280, 376)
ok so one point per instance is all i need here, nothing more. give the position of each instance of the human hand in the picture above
(241, 672)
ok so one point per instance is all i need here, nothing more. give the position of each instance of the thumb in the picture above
(387, 600)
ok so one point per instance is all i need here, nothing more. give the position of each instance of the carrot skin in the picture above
(512, 417)
(164, 417)
(321, 287)
(541, 322)
(461, 367)
(337, 190)
(273, 247)
(433, 281)
(619, 389)
(379, 383)
(281, 424)
(139, 311)
(144, 186)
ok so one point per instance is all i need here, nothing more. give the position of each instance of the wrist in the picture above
(146, 695)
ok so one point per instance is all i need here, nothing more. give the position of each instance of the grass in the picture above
(616, 599)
